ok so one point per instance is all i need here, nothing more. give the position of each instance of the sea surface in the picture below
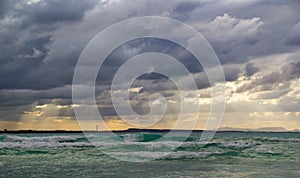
(145, 154)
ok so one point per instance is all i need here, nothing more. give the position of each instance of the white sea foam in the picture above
(156, 155)
(41, 144)
(238, 144)
(13, 138)
(78, 140)
(275, 139)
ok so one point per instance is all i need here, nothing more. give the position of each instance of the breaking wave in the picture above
(146, 140)
(149, 145)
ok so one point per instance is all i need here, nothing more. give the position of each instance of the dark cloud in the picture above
(26, 44)
(294, 35)
(138, 46)
(291, 71)
(250, 69)
(231, 72)
(47, 12)
(13, 113)
(4, 5)
(278, 80)
(26, 97)
(287, 73)
(58, 69)
(183, 10)
(40, 44)
(271, 78)
(260, 33)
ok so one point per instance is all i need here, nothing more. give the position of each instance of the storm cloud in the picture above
(41, 41)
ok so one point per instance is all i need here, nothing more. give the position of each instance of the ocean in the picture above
(143, 154)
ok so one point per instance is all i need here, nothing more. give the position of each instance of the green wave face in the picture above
(224, 146)
(229, 154)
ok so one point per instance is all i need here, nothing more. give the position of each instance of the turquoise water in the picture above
(229, 154)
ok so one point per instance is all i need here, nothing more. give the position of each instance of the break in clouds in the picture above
(257, 42)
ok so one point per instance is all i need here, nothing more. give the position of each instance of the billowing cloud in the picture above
(257, 43)
(228, 29)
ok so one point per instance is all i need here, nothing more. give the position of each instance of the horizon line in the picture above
(142, 129)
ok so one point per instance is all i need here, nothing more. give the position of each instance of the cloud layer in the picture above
(257, 42)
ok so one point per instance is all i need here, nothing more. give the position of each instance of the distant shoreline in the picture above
(128, 130)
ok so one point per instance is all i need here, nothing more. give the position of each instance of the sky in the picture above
(257, 43)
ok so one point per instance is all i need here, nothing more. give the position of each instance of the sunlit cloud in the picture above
(257, 47)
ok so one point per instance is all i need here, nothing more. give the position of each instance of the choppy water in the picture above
(229, 154)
